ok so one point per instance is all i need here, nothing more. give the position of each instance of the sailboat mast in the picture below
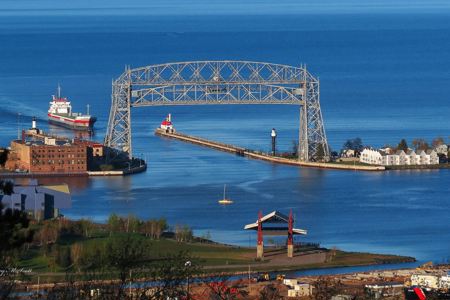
(224, 187)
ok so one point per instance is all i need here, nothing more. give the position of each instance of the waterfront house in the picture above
(399, 158)
(411, 157)
(442, 149)
(348, 153)
(370, 156)
(390, 159)
(433, 156)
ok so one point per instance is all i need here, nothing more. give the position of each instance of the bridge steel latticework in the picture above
(219, 82)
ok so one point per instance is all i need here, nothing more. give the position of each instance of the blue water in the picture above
(383, 77)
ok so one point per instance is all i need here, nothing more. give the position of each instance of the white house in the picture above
(442, 149)
(369, 156)
(434, 158)
(399, 158)
(390, 159)
(348, 153)
(411, 157)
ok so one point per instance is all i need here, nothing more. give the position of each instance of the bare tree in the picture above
(270, 292)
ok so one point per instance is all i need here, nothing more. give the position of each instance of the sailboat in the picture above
(225, 201)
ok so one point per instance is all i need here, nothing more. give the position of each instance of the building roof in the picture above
(34, 195)
(275, 217)
(63, 188)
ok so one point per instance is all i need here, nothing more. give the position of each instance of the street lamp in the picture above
(187, 265)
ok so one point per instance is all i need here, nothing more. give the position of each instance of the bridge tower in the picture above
(219, 82)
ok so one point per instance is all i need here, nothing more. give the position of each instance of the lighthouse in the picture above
(273, 134)
(167, 125)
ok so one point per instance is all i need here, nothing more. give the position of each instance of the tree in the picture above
(133, 223)
(183, 233)
(113, 223)
(270, 292)
(224, 289)
(437, 142)
(14, 225)
(325, 288)
(63, 256)
(320, 154)
(14, 233)
(76, 251)
(125, 253)
(47, 234)
(173, 273)
(353, 144)
(162, 226)
(420, 144)
(86, 227)
(403, 145)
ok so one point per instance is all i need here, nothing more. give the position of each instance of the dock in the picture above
(259, 155)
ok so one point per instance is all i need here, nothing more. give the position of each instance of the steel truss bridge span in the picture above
(219, 82)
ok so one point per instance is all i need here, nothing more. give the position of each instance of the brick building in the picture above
(47, 156)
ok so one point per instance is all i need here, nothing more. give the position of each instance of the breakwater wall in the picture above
(262, 156)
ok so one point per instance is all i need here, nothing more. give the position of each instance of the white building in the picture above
(371, 157)
(399, 158)
(434, 157)
(444, 282)
(424, 280)
(301, 290)
(442, 149)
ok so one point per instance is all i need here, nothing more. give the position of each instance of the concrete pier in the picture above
(262, 156)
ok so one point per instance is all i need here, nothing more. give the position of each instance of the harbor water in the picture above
(384, 77)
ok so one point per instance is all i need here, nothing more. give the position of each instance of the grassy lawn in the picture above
(214, 256)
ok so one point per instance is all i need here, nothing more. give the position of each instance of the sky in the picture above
(211, 7)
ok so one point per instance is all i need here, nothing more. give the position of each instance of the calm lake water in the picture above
(383, 77)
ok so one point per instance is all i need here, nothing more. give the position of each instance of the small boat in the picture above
(225, 201)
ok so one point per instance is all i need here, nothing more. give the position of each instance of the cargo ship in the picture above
(60, 113)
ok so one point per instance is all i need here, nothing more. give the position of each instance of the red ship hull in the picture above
(73, 123)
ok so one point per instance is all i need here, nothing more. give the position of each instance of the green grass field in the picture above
(214, 257)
